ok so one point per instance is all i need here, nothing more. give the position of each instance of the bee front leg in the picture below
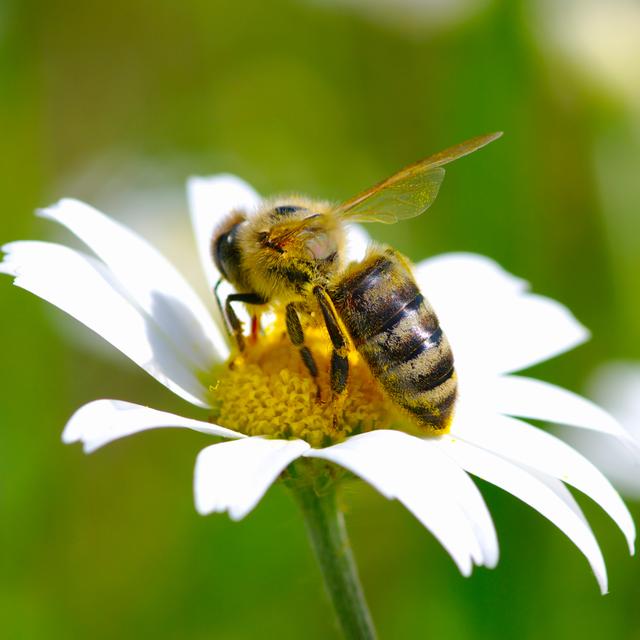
(296, 335)
(340, 342)
(234, 325)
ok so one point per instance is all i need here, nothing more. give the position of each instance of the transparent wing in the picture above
(397, 198)
(409, 192)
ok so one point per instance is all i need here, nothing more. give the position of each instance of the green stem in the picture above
(326, 528)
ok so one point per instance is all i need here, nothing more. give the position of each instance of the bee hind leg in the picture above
(340, 355)
(296, 335)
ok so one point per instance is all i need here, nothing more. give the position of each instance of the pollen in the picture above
(267, 390)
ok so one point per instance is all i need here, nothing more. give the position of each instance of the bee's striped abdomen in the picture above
(397, 333)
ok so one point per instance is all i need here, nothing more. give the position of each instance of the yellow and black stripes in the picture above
(397, 333)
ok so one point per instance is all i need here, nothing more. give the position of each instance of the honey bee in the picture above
(290, 255)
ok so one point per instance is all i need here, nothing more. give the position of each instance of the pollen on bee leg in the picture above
(269, 391)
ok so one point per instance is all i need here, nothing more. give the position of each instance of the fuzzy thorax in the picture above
(268, 391)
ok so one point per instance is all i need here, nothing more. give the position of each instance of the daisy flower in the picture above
(263, 404)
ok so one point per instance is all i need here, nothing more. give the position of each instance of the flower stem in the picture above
(326, 528)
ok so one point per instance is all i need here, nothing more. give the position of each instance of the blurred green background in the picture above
(117, 102)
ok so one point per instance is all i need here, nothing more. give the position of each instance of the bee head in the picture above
(299, 233)
(281, 225)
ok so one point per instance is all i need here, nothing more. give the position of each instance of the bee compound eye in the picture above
(219, 253)
(226, 253)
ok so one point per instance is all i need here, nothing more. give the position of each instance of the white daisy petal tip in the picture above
(399, 466)
(533, 448)
(10, 263)
(5, 266)
(518, 330)
(581, 333)
(233, 476)
(531, 398)
(543, 493)
(52, 211)
(83, 287)
(148, 279)
(559, 332)
(102, 421)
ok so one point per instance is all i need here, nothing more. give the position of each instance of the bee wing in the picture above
(409, 192)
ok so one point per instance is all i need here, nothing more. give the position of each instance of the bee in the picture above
(290, 255)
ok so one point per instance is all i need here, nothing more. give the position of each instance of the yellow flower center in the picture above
(267, 390)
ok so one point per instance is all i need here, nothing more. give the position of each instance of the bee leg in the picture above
(255, 327)
(232, 319)
(296, 335)
(339, 357)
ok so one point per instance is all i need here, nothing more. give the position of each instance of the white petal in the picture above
(560, 489)
(544, 329)
(475, 508)
(530, 398)
(102, 421)
(465, 273)
(527, 445)
(83, 287)
(233, 476)
(493, 324)
(358, 240)
(150, 280)
(210, 200)
(616, 386)
(618, 461)
(550, 500)
(428, 484)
